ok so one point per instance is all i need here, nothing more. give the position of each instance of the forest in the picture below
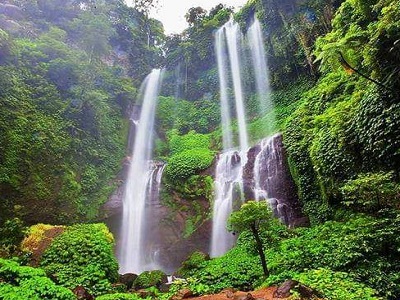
(140, 165)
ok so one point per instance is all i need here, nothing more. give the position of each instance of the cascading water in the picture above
(233, 38)
(266, 167)
(261, 72)
(229, 170)
(228, 188)
(151, 233)
(272, 182)
(220, 49)
(131, 255)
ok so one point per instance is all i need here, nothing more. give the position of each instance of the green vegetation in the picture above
(192, 262)
(63, 97)
(68, 78)
(20, 282)
(347, 126)
(150, 278)
(253, 216)
(336, 285)
(82, 255)
(120, 296)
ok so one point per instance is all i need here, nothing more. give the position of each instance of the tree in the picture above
(195, 15)
(251, 216)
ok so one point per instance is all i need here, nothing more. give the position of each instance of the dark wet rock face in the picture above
(267, 176)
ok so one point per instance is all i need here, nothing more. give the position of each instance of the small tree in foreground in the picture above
(251, 216)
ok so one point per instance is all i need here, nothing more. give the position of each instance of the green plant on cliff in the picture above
(82, 255)
(190, 153)
(371, 192)
(348, 124)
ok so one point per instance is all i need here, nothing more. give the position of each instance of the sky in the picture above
(172, 12)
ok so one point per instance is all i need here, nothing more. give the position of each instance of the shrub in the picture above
(11, 234)
(193, 262)
(184, 164)
(19, 282)
(365, 247)
(83, 255)
(237, 268)
(191, 140)
(120, 296)
(150, 278)
(336, 285)
(371, 191)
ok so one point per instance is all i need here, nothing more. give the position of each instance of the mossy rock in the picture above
(193, 262)
(150, 278)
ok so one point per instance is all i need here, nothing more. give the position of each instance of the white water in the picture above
(229, 170)
(228, 188)
(260, 66)
(233, 38)
(220, 49)
(131, 254)
(266, 167)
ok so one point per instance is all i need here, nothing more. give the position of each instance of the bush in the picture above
(18, 282)
(149, 279)
(336, 285)
(365, 247)
(120, 296)
(184, 164)
(191, 140)
(193, 262)
(83, 255)
(237, 268)
(11, 234)
(371, 191)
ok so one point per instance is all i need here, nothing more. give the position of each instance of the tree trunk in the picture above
(260, 249)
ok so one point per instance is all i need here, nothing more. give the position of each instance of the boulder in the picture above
(248, 296)
(229, 292)
(307, 292)
(145, 294)
(82, 294)
(182, 294)
(128, 279)
(165, 287)
(284, 291)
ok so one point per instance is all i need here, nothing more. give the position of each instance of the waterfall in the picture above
(272, 181)
(228, 188)
(266, 167)
(236, 177)
(233, 38)
(140, 177)
(261, 72)
(220, 49)
(229, 170)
